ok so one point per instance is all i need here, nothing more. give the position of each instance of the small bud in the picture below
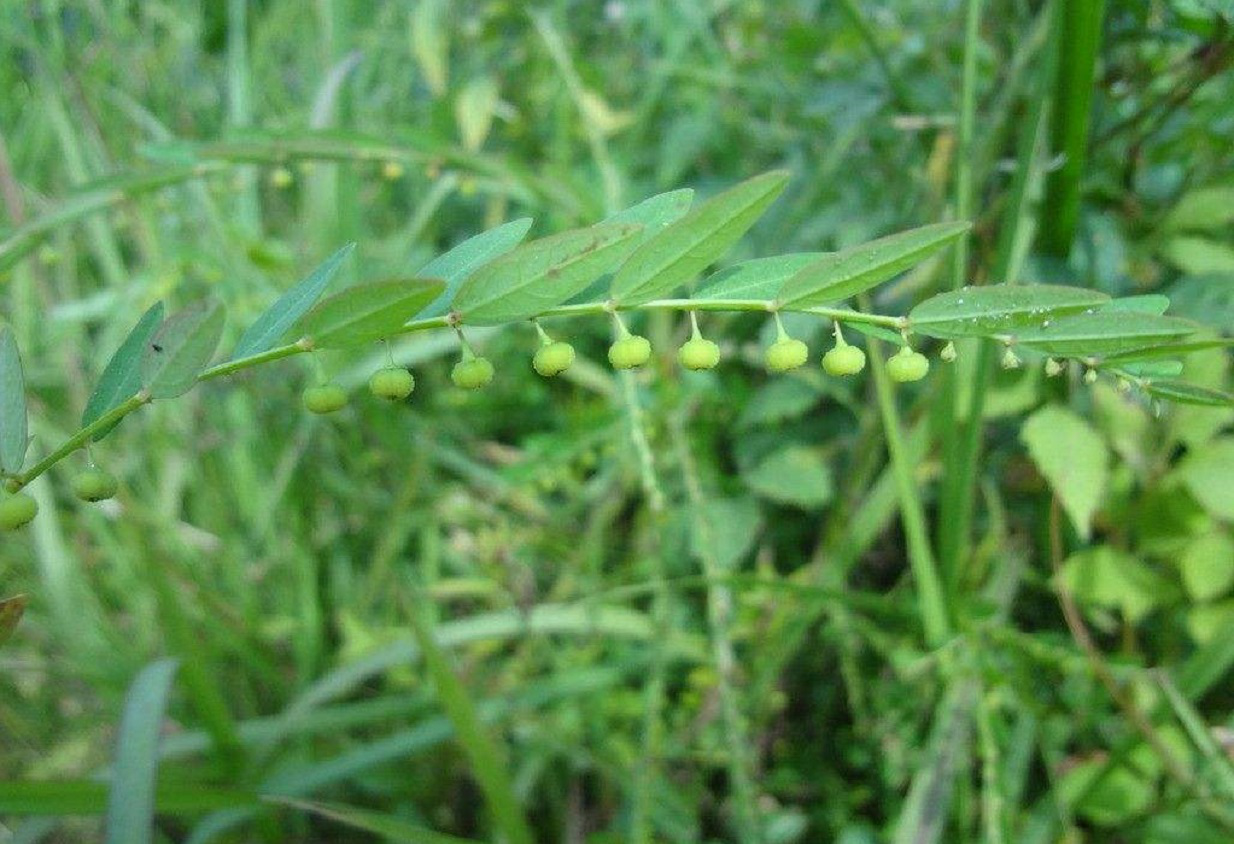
(392, 171)
(1124, 386)
(1010, 360)
(1053, 368)
(1090, 376)
(281, 178)
(948, 354)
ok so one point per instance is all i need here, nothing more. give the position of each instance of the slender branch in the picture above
(82, 437)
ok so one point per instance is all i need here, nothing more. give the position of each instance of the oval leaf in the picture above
(656, 212)
(1149, 303)
(997, 308)
(1183, 393)
(130, 803)
(844, 274)
(269, 328)
(121, 378)
(180, 350)
(543, 274)
(760, 278)
(366, 312)
(678, 252)
(467, 257)
(1072, 457)
(1103, 333)
(14, 434)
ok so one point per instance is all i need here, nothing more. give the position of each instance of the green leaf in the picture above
(997, 308)
(542, 274)
(1207, 566)
(11, 610)
(467, 257)
(760, 278)
(1198, 255)
(1072, 457)
(270, 327)
(1107, 577)
(130, 805)
(366, 312)
(1207, 472)
(87, 797)
(121, 378)
(1204, 209)
(473, 111)
(1153, 303)
(1103, 333)
(685, 248)
(1169, 350)
(795, 475)
(180, 350)
(778, 400)
(14, 422)
(387, 827)
(725, 530)
(1105, 798)
(844, 274)
(1180, 392)
(656, 212)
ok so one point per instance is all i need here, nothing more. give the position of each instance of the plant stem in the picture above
(82, 437)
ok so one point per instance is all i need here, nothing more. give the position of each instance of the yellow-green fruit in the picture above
(472, 374)
(392, 383)
(553, 358)
(95, 485)
(783, 355)
(698, 353)
(844, 360)
(17, 511)
(281, 177)
(325, 398)
(392, 170)
(907, 365)
(629, 352)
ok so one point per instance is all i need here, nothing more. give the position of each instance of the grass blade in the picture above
(130, 803)
(388, 827)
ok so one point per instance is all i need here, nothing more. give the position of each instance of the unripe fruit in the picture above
(472, 374)
(325, 398)
(392, 171)
(95, 485)
(17, 511)
(844, 360)
(907, 365)
(392, 383)
(1053, 368)
(1010, 359)
(629, 352)
(553, 358)
(786, 354)
(1090, 376)
(948, 354)
(281, 177)
(698, 353)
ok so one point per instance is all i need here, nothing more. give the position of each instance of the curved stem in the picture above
(83, 437)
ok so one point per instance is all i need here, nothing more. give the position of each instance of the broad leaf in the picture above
(1072, 457)
(121, 378)
(760, 278)
(180, 350)
(657, 211)
(1103, 333)
(130, 805)
(997, 308)
(11, 610)
(1181, 392)
(542, 274)
(724, 531)
(795, 475)
(14, 421)
(270, 327)
(1206, 471)
(467, 257)
(366, 312)
(841, 275)
(685, 248)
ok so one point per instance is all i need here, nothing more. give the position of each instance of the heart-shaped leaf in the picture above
(760, 278)
(14, 433)
(1103, 333)
(841, 275)
(998, 308)
(681, 250)
(268, 328)
(543, 274)
(121, 378)
(180, 350)
(467, 257)
(366, 312)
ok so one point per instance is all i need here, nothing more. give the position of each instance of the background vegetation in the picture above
(669, 607)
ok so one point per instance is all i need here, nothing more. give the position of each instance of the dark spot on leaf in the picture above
(156, 347)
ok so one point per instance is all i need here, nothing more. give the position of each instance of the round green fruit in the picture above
(699, 353)
(472, 374)
(392, 383)
(783, 355)
(629, 352)
(17, 511)
(844, 360)
(95, 485)
(553, 358)
(907, 365)
(325, 398)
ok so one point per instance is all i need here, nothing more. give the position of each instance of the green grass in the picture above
(576, 609)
